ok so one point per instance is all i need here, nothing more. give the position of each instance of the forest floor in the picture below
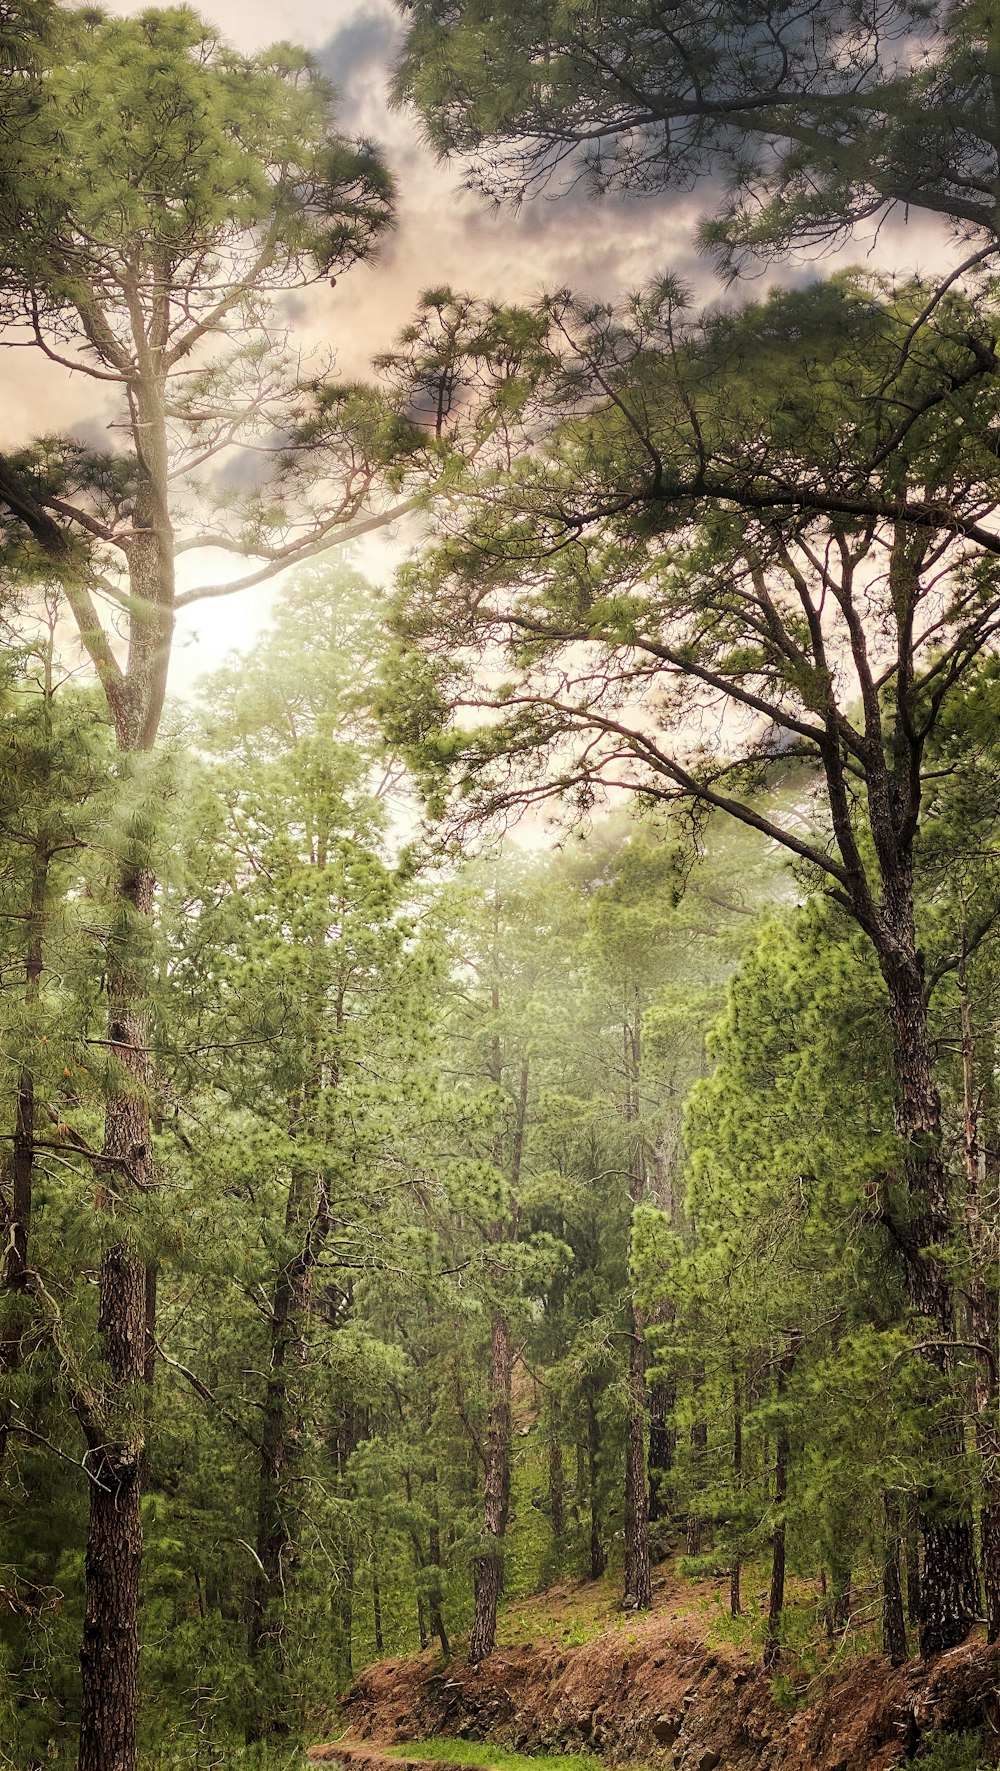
(681, 1687)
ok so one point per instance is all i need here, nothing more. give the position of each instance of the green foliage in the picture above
(810, 121)
(953, 1752)
(487, 1753)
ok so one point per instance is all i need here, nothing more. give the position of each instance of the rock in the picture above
(666, 1730)
(706, 1759)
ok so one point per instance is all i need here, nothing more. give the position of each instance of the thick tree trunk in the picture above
(110, 1649)
(983, 1320)
(109, 1656)
(950, 1584)
(488, 1570)
(893, 1622)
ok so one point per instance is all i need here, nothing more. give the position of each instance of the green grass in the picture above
(497, 1758)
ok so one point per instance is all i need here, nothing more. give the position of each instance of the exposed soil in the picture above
(654, 1691)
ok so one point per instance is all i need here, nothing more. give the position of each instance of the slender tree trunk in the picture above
(17, 1227)
(638, 1578)
(347, 1619)
(893, 1623)
(557, 1480)
(488, 1571)
(735, 1605)
(662, 1447)
(776, 1603)
(418, 1559)
(911, 1541)
(598, 1554)
(377, 1610)
(699, 1447)
(436, 1595)
(280, 1446)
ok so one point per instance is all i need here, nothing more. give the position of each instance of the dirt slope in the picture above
(653, 1691)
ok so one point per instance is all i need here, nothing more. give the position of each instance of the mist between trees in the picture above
(395, 1218)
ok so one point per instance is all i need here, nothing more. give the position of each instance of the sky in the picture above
(444, 234)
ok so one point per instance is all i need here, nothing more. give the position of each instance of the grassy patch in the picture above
(497, 1758)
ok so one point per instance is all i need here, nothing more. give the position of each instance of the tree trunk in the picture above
(557, 1483)
(893, 1624)
(109, 1656)
(662, 1445)
(436, 1595)
(598, 1554)
(110, 1649)
(950, 1585)
(734, 1577)
(699, 1447)
(280, 1444)
(638, 1579)
(377, 1610)
(17, 1226)
(911, 1542)
(983, 1322)
(776, 1603)
(488, 1571)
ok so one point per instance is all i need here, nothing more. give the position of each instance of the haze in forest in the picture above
(542, 1294)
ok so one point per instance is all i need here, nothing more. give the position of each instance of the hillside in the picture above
(666, 1690)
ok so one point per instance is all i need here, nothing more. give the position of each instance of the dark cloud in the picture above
(358, 59)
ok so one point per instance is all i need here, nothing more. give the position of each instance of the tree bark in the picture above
(699, 1447)
(109, 1656)
(280, 1444)
(893, 1622)
(662, 1446)
(983, 1321)
(17, 1226)
(598, 1554)
(950, 1584)
(637, 1573)
(557, 1482)
(735, 1604)
(776, 1602)
(911, 1540)
(488, 1569)
(377, 1610)
(436, 1595)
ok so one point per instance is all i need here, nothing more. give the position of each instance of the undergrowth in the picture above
(485, 1753)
